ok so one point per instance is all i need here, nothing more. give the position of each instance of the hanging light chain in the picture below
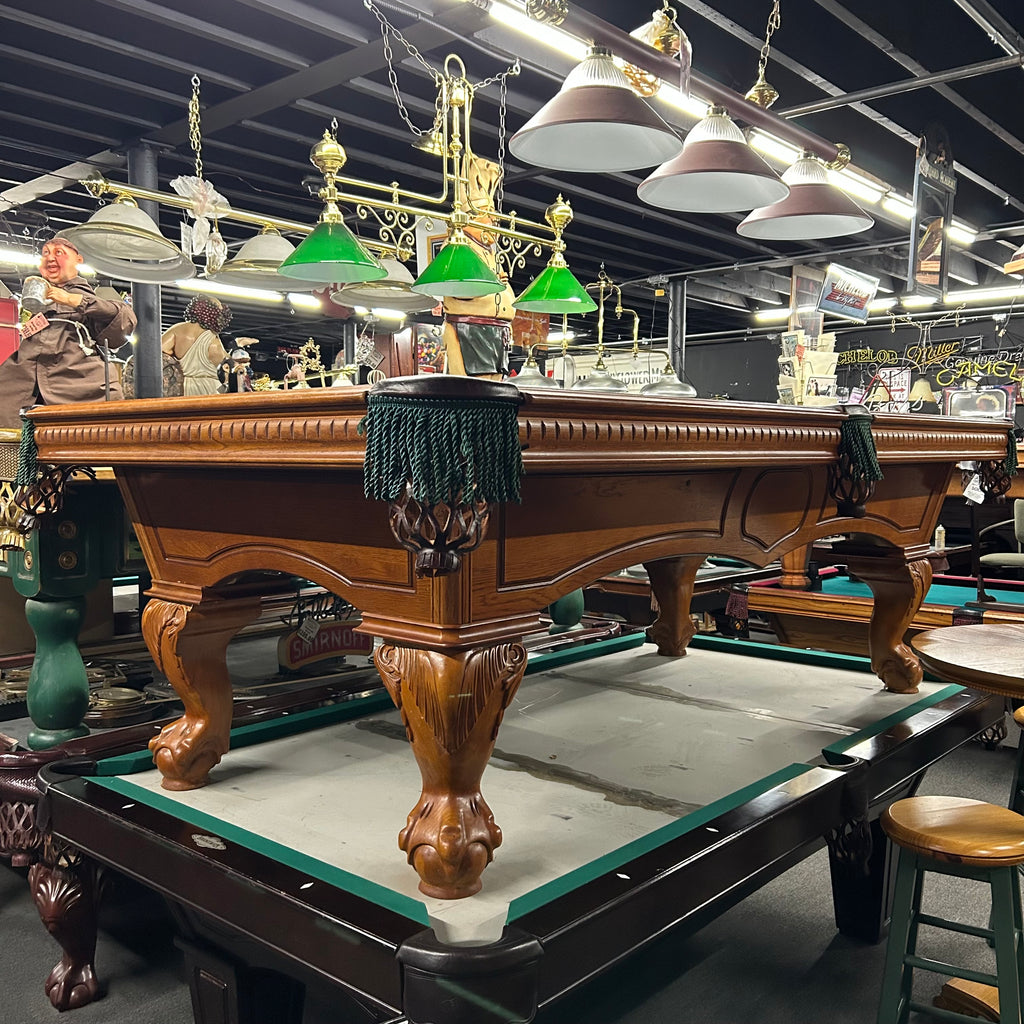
(194, 134)
(387, 30)
(774, 21)
(502, 79)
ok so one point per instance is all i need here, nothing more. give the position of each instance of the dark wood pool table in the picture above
(218, 485)
(662, 799)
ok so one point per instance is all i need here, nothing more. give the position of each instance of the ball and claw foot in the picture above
(185, 754)
(450, 856)
(70, 986)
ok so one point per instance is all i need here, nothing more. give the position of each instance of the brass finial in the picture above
(328, 155)
(762, 93)
(559, 214)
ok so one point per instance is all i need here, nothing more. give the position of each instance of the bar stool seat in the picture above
(967, 839)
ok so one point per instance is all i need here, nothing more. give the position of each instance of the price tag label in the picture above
(973, 491)
(309, 629)
(34, 326)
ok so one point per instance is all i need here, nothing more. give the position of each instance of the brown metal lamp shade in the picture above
(596, 122)
(716, 172)
(814, 208)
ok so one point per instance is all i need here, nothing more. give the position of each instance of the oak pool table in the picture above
(836, 617)
(218, 485)
(639, 798)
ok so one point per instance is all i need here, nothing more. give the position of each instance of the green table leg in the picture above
(58, 687)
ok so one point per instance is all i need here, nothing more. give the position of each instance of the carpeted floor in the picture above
(775, 958)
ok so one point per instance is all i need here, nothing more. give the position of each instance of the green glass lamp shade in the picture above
(458, 272)
(555, 290)
(331, 254)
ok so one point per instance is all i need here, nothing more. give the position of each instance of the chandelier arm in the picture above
(99, 187)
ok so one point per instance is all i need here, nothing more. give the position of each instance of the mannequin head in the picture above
(59, 261)
(210, 313)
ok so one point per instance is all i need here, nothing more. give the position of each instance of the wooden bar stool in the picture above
(967, 839)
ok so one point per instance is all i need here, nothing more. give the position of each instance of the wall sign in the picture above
(847, 293)
(934, 189)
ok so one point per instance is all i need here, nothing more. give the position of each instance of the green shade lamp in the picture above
(331, 253)
(458, 271)
(555, 289)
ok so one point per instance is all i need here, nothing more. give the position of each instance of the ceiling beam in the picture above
(171, 17)
(318, 78)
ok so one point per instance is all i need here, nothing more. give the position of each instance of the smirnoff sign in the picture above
(330, 640)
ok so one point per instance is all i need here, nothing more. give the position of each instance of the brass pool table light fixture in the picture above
(256, 263)
(331, 252)
(391, 292)
(458, 270)
(123, 241)
(555, 289)
(600, 378)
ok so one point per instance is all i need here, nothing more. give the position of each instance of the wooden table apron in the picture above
(218, 485)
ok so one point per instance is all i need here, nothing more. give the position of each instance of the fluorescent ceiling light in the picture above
(689, 105)
(20, 258)
(769, 315)
(230, 290)
(775, 148)
(899, 206)
(986, 294)
(917, 301)
(302, 301)
(561, 335)
(878, 305)
(960, 232)
(514, 18)
(858, 185)
(380, 312)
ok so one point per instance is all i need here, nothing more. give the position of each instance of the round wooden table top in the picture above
(986, 657)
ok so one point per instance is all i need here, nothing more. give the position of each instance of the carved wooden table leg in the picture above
(898, 587)
(188, 644)
(794, 568)
(452, 703)
(66, 888)
(672, 582)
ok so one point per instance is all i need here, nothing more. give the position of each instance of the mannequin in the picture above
(196, 344)
(57, 360)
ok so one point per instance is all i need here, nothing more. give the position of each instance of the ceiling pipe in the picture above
(984, 67)
(588, 26)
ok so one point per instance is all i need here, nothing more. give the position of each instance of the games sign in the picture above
(847, 293)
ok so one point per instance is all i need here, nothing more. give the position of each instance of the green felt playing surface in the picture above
(938, 593)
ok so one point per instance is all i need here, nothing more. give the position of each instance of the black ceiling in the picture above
(274, 72)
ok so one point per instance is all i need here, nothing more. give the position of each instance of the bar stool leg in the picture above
(1006, 916)
(898, 979)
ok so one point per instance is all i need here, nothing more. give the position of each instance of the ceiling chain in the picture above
(387, 30)
(194, 134)
(774, 21)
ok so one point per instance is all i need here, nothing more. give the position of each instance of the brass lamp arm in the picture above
(99, 186)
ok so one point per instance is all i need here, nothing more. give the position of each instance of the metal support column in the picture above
(148, 359)
(348, 340)
(677, 325)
